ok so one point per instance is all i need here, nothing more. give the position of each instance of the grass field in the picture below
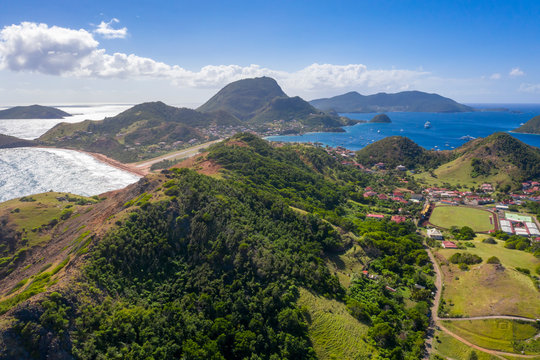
(335, 334)
(458, 172)
(487, 289)
(509, 258)
(450, 348)
(496, 334)
(448, 216)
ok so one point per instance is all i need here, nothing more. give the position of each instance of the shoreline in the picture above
(106, 160)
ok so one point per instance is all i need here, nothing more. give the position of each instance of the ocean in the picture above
(447, 131)
(27, 171)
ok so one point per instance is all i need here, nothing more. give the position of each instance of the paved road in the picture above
(436, 321)
(178, 154)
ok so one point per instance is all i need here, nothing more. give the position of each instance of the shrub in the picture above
(493, 260)
(489, 240)
(524, 271)
(465, 258)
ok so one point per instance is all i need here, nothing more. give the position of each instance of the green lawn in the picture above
(335, 334)
(486, 289)
(509, 258)
(458, 172)
(448, 216)
(496, 334)
(448, 347)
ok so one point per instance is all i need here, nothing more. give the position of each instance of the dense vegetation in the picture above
(398, 150)
(204, 268)
(414, 101)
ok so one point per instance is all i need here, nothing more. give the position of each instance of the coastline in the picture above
(106, 160)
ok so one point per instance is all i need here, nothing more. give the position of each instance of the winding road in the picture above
(436, 321)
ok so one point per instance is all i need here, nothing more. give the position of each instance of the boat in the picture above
(378, 131)
(400, 130)
(427, 125)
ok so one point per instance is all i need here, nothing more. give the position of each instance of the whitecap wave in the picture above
(27, 171)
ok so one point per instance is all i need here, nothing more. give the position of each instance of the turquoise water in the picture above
(444, 134)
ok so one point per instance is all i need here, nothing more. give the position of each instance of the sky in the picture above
(182, 52)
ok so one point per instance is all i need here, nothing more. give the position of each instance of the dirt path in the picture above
(436, 321)
(509, 317)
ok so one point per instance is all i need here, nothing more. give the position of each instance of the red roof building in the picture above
(398, 218)
(375, 216)
(449, 245)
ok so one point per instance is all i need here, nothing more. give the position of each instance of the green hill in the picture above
(7, 141)
(411, 101)
(399, 150)
(261, 103)
(499, 159)
(381, 118)
(530, 127)
(240, 265)
(244, 98)
(33, 112)
(143, 131)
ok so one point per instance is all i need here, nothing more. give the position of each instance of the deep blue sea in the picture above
(444, 134)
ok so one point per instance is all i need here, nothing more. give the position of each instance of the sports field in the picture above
(448, 216)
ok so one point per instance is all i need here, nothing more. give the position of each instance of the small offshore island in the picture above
(530, 127)
(33, 112)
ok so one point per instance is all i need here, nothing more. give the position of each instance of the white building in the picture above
(434, 234)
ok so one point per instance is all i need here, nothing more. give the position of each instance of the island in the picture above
(33, 112)
(530, 127)
(381, 118)
(407, 101)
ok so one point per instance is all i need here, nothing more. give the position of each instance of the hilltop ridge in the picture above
(409, 101)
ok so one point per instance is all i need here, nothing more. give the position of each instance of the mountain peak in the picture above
(244, 97)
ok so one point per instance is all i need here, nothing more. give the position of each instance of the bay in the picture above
(447, 130)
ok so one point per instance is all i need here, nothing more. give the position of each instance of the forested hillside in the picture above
(212, 267)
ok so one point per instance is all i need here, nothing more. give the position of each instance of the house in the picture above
(383, 197)
(380, 165)
(449, 245)
(501, 207)
(375, 216)
(507, 227)
(370, 194)
(522, 232)
(435, 234)
(401, 168)
(399, 219)
(417, 198)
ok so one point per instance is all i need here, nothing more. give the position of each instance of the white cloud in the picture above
(39, 48)
(495, 76)
(106, 30)
(32, 47)
(516, 72)
(530, 88)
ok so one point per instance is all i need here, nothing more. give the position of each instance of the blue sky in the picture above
(181, 52)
